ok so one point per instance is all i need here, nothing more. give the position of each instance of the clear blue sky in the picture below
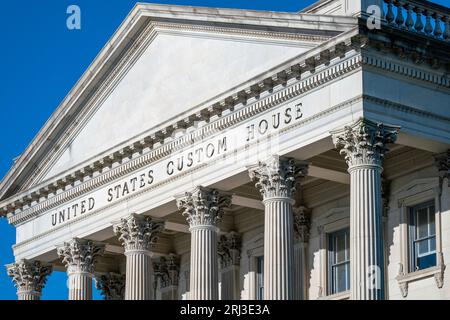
(40, 62)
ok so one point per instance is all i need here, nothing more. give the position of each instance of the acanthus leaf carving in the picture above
(229, 249)
(167, 270)
(111, 285)
(302, 223)
(138, 232)
(80, 255)
(278, 177)
(29, 276)
(364, 142)
(203, 206)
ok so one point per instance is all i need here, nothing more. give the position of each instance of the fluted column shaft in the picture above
(230, 289)
(80, 257)
(203, 209)
(276, 179)
(300, 270)
(138, 234)
(366, 237)
(278, 249)
(204, 265)
(302, 224)
(138, 283)
(364, 145)
(80, 285)
(28, 295)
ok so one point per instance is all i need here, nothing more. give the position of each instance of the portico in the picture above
(266, 185)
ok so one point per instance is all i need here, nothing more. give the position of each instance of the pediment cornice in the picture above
(144, 21)
(326, 62)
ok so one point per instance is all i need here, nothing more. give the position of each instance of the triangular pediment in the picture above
(162, 66)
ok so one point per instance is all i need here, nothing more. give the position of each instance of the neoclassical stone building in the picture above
(230, 154)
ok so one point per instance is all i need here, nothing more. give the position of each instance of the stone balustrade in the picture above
(419, 16)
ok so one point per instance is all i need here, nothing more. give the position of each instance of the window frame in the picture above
(412, 234)
(418, 191)
(331, 265)
(331, 221)
(259, 278)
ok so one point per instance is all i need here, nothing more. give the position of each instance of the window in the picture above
(339, 261)
(260, 278)
(422, 236)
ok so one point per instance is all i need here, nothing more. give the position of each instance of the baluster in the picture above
(437, 28)
(428, 26)
(409, 19)
(400, 20)
(447, 28)
(390, 12)
(419, 24)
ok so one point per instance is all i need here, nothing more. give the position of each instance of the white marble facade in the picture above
(231, 154)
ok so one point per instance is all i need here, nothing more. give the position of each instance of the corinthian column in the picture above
(364, 145)
(111, 285)
(229, 250)
(167, 271)
(29, 278)
(276, 180)
(302, 224)
(80, 257)
(138, 234)
(203, 209)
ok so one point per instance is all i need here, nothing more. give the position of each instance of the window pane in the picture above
(260, 278)
(340, 248)
(432, 244)
(422, 247)
(422, 223)
(432, 219)
(341, 278)
(423, 240)
(339, 266)
(426, 261)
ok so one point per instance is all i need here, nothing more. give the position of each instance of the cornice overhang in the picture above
(322, 27)
(250, 91)
(409, 45)
(318, 58)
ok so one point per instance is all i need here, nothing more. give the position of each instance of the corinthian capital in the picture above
(203, 206)
(111, 285)
(167, 270)
(80, 255)
(29, 276)
(138, 232)
(442, 161)
(365, 142)
(229, 249)
(302, 223)
(277, 177)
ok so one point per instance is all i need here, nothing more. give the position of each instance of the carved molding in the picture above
(80, 255)
(138, 232)
(364, 142)
(203, 206)
(302, 223)
(29, 276)
(167, 270)
(278, 177)
(385, 196)
(313, 80)
(442, 162)
(229, 249)
(437, 272)
(111, 285)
